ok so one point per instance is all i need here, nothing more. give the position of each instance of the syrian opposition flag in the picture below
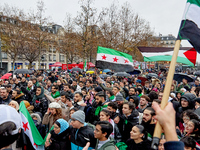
(111, 59)
(190, 24)
(30, 129)
(186, 55)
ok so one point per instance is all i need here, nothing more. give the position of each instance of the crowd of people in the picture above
(83, 111)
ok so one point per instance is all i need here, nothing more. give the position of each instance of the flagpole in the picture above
(158, 128)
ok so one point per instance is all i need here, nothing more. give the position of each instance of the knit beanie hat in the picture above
(119, 97)
(79, 115)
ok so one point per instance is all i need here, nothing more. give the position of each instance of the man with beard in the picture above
(76, 86)
(4, 99)
(54, 92)
(112, 107)
(132, 92)
(92, 113)
(148, 120)
(144, 99)
(78, 101)
(9, 89)
(101, 102)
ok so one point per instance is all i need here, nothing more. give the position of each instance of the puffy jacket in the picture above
(80, 137)
(110, 145)
(126, 123)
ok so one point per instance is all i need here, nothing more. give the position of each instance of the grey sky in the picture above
(164, 16)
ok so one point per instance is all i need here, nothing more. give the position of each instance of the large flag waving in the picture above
(111, 59)
(190, 24)
(186, 55)
(30, 129)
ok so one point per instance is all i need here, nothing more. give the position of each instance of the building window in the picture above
(172, 42)
(50, 49)
(50, 57)
(4, 55)
(54, 57)
(54, 49)
(62, 59)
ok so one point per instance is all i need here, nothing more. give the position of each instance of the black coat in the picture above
(60, 141)
(144, 145)
(125, 125)
(41, 105)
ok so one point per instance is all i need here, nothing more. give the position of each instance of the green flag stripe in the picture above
(195, 2)
(114, 52)
(168, 58)
(35, 133)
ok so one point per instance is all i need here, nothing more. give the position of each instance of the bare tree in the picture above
(41, 30)
(13, 34)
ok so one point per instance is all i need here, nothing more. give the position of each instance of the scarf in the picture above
(112, 135)
(35, 97)
(57, 94)
(99, 108)
(63, 124)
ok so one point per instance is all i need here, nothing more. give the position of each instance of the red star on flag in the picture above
(126, 61)
(104, 57)
(25, 126)
(115, 59)
(35, 145)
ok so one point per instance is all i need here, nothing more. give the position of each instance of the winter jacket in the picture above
(80, 137)
(126, 123)
(41, 105)
(110, 145)
(48, 120)
(191, 103)
(174, 145)
(144, 145)
(6, 101)
(60, 141)
(19, 98)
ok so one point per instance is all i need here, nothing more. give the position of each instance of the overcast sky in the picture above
(164, 16)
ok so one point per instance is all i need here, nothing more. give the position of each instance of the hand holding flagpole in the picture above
(158, 128)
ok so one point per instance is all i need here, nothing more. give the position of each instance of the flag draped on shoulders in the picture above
(30, 129)
(186, 55)
(190, 24)
(111, 59)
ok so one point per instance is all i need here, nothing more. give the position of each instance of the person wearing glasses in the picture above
(81, 132)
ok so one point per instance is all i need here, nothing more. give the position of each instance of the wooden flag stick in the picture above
(158, 128)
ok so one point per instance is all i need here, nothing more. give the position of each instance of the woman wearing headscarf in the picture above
(40, 101)
(58, 138)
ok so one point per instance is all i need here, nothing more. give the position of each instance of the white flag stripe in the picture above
(109, 58)
(28, 132)
(149, 54)
(191, 13)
